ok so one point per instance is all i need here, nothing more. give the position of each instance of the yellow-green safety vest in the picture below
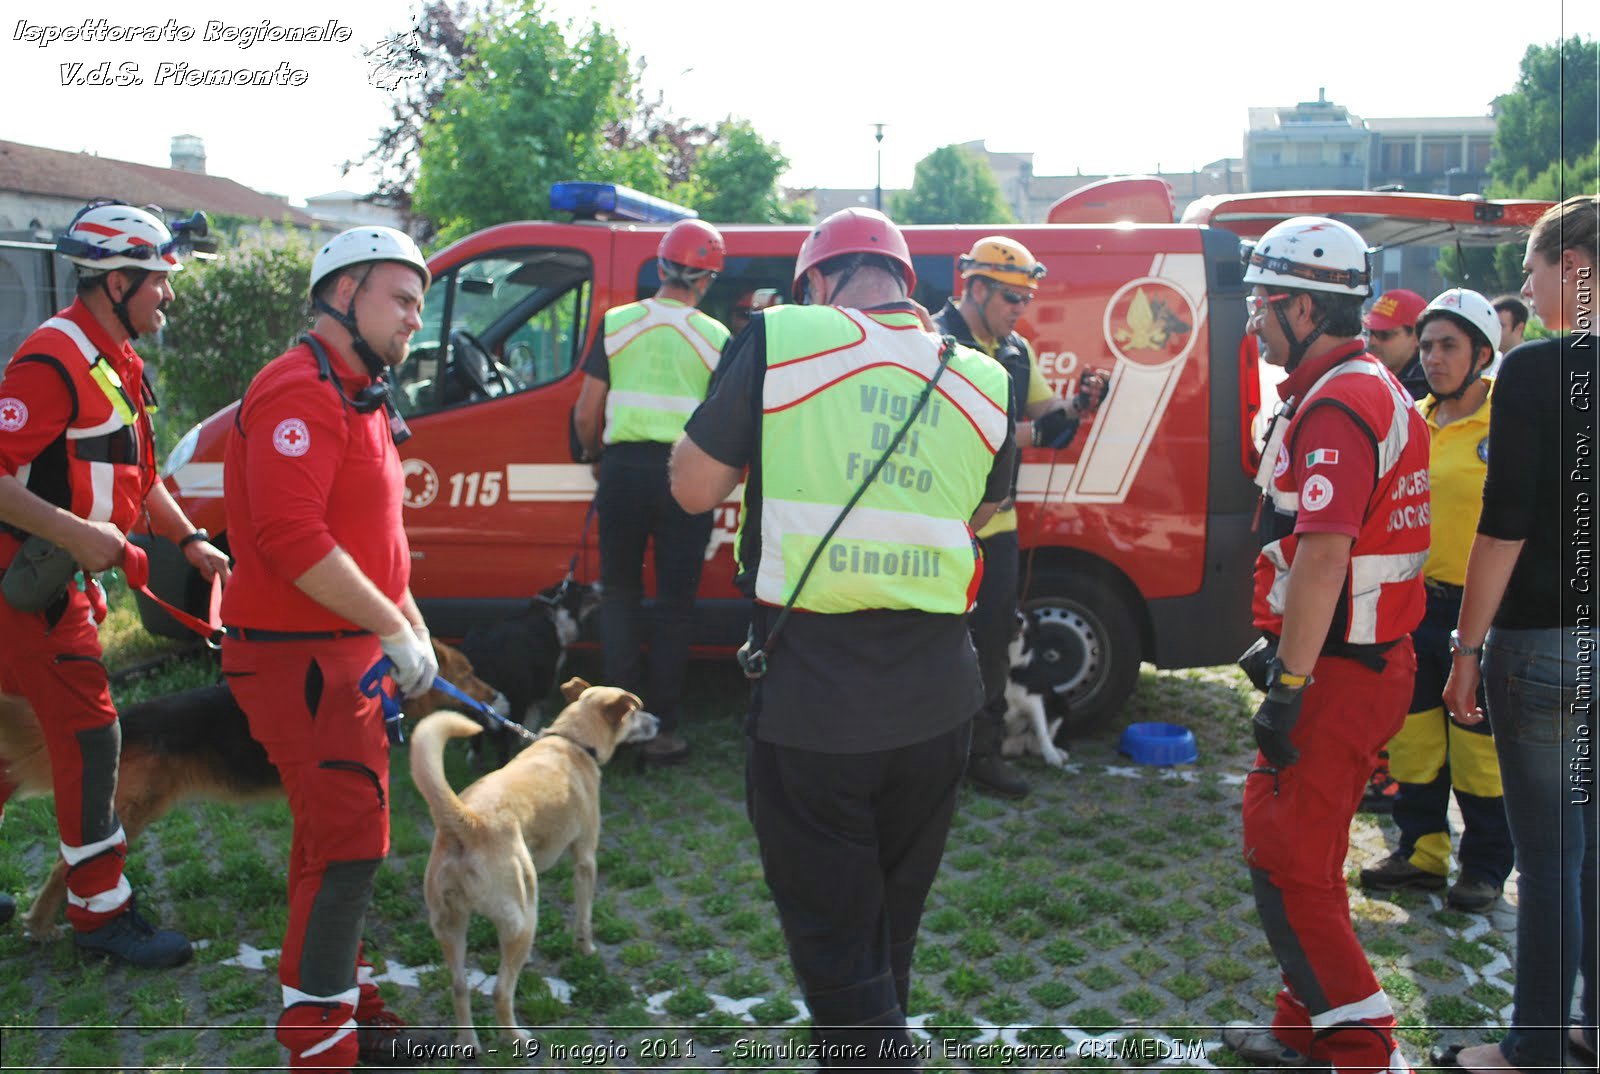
(839, 384)
(662, 354)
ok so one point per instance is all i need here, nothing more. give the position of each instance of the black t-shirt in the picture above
(1541, 486)
(852, 683)
(1413, 379)
(597, 363)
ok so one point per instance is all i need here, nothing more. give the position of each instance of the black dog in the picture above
(522, 655)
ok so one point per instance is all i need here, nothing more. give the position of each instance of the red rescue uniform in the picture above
(74, 431)
(304, 473)
(1354, 461)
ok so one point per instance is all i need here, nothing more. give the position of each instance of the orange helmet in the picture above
(853, 231)
(693, 244)
(1004, 261)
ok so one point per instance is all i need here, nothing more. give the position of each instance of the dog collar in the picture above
(585, 747)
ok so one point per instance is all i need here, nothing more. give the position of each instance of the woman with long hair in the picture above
(1528, 611)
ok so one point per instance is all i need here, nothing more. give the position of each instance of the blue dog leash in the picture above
(372, 686)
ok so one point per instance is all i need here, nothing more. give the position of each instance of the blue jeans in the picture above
(1544, 732)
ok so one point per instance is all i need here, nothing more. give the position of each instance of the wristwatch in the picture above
(1277, 675)
(197, 535)
(1457, 648)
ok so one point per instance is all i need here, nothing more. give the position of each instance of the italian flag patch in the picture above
(1322, 457)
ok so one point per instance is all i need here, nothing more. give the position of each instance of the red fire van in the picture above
(1137, 539)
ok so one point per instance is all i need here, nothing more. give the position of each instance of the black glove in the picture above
(1275, 719)
(1054, 430)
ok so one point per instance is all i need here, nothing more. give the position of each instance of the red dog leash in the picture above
(136, 568)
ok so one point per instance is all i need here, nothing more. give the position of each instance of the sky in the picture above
(1163, 85)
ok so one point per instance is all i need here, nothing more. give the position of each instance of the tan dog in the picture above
(194, 744)
(494, 840)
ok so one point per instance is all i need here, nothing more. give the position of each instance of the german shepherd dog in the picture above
(194, 744)
(523, 655)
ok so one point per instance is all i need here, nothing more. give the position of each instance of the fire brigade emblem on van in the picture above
(422, 483)
(1150, 324)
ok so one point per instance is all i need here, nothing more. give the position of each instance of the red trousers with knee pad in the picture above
(52, 658)
(327, 740)
(1296, 835)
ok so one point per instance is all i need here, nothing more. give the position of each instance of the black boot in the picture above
(129, 938)
(991, 774)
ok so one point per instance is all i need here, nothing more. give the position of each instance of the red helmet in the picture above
(853, 231)
(693, 244)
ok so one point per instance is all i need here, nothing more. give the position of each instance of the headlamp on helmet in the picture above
(107, 235)
(1310, 253)
(1002, 260)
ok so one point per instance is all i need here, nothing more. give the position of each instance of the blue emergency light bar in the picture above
(609, 201)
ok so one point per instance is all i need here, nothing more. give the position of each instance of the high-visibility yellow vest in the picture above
(662, 354)
(839, 384)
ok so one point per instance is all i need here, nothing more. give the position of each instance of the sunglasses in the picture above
(1382, 335)
(1015, 298)
(1254, 304)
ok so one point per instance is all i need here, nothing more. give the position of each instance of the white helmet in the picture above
(1472, 308)
(1311, 253)
(117, 236)
(361, 244)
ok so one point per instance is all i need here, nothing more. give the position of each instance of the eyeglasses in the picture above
(1382, 335)
(1254, 304)
(1015, 298)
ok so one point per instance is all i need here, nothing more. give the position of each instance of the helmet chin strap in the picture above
(358, 343)
(1472, 377)
(119, 306)
(1297, 347)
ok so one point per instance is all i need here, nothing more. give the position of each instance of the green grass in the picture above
(1102, 903)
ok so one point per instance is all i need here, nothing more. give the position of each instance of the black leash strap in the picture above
(753, 658)
(583, 541)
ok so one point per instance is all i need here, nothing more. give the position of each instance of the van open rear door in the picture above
(1408, 230)
(1386, 219)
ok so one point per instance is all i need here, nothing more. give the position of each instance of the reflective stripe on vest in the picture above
(843, 382)
(99, 448)
(662, 355)
(1381, 557)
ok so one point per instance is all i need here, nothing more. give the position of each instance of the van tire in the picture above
(1085, 623)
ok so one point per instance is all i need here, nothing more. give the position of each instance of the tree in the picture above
(735, 180)
(674, 144)
(951, 186)
(508, 102)
(416, 68)
(1549, 117)
(1546, 147)
(530, 108)
(227, 319)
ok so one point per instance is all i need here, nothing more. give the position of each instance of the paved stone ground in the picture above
(1105, 920)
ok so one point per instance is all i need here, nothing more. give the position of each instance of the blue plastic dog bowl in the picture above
(1159, 744)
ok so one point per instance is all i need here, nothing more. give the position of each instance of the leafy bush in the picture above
(228, 319)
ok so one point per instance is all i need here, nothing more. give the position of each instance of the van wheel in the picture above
(1085, 632)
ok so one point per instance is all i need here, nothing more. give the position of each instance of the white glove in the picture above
(414, 663)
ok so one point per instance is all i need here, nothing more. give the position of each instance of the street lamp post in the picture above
(877, 192)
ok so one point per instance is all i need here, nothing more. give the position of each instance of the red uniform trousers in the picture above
(327, 740)
(1296, 835)
(54, 662)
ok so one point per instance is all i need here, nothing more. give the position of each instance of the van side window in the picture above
(503, 324)
(768, 281)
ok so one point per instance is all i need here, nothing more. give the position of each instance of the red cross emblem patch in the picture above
(1317, 494)
(13, 414)
(291, 438)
